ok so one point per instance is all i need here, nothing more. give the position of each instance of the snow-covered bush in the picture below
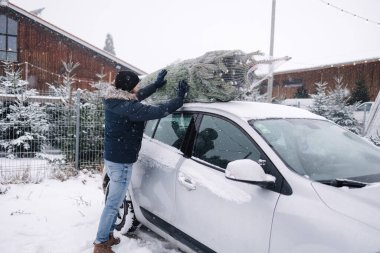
(320, 100)
(3, 189)
(65, 116)
(339, 111)
(23, 123)
(23, 129)
(92, 122)
(301, 92)
(62, 116)
(91, 133)
(375, 139)
(333, 105)
(11, 82)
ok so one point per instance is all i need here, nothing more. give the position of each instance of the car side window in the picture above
(172, 129)
(150, 126)
(219, 142)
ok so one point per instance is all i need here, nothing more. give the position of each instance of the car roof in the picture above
(252, 110)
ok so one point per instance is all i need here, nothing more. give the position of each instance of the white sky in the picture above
(151, 34)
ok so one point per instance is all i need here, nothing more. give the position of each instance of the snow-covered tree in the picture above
(64, 90)
(12, 83)
(338, 109)
(221, 75)
(62, 115)
(91, 125)
(92, 121)
(24, 129)
(91, 132)
(333, 105)
(59, 118)
(23, 124)
(68, 77)
(320, 99)
(360, 93)
(99, 89)
(301, 92)
(109, 47)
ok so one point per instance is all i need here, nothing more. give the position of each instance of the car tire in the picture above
(126, 221)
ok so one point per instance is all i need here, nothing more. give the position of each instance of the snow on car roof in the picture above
(253, 110)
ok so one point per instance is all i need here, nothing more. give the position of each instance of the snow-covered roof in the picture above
(331, 65)
(253, 110)
(73, 37)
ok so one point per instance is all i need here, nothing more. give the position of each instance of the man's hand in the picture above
(160, 81)
(182, 88)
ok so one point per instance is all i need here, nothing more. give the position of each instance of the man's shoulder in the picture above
(124, 105)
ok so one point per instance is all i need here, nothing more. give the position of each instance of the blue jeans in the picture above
(120, 175)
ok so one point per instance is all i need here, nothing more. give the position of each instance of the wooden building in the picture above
(286, 82)
(39, 48)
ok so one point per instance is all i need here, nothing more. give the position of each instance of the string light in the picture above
(351, 13)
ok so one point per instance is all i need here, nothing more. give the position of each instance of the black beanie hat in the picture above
(126, 80)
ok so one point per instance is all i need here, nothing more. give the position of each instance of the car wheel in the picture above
(126, 221)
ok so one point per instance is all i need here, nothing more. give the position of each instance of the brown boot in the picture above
(104, 247)
(113, 240)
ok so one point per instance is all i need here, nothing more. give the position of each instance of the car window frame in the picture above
(237, 126)
(196, 131)
(282, 186)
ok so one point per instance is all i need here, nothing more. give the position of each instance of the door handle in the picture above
(187, 182)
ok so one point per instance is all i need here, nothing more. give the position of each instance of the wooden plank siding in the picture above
(44, 50)
(40, 47)
(351, 72)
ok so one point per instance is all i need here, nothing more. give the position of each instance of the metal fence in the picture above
(41, 135)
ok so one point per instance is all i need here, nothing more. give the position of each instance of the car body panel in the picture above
(216, 202)
(367, 202)
(153, 180)
(303, 223)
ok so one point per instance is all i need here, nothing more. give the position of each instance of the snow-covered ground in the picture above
(61, 217)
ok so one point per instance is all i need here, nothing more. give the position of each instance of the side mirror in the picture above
(249, 171)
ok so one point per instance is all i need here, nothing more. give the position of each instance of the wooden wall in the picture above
(369, 71)
(45, 50)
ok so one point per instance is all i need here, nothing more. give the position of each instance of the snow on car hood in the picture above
(361, 204)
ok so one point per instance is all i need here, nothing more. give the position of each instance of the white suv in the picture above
(255, 177)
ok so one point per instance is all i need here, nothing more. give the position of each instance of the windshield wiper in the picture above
(340, 182)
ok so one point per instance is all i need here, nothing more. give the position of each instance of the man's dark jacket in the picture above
(125, 118)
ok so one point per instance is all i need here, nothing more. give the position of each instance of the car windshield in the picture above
(321, 150)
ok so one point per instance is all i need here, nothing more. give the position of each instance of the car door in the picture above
(213, 213)
(155, 172)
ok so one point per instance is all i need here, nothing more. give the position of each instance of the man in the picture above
(125, 118)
